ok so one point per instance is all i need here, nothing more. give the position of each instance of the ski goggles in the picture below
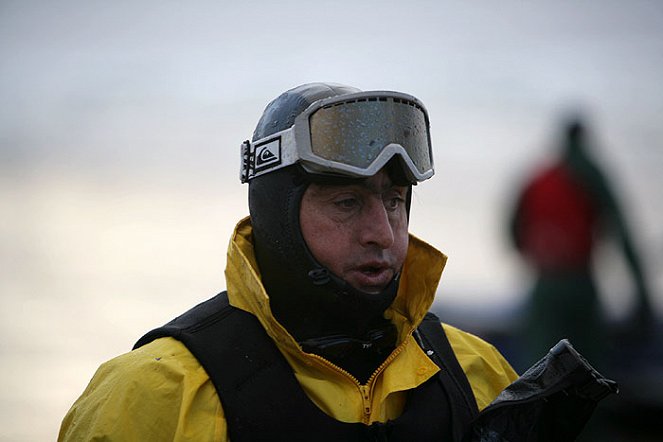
(349, 135)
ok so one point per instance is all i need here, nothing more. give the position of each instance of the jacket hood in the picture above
(418, 283)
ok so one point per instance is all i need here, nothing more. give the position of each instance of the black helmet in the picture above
(306, 297)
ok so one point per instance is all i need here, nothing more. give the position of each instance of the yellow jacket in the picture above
(160, 391)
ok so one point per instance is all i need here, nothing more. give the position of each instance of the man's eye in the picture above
(394, 202)
(347, 203)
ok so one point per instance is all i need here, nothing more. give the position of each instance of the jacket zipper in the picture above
(366, 391)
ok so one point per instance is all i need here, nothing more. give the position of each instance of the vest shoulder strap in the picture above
(433, 340)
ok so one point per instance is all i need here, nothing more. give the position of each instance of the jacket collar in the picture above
(419, 279)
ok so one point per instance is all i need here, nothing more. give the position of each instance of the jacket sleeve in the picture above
(157, 392)
(486, 369)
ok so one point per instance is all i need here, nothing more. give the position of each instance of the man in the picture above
(323, 333)
(559, 216)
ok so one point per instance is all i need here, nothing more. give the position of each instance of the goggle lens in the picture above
(356, 132)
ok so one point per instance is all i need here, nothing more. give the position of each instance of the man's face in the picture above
(358, 231)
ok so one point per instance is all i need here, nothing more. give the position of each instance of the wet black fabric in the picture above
(262, 399)
(550, 402)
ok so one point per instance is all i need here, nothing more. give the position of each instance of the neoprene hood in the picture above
(304, 296)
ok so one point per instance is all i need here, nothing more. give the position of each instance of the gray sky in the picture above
(121, 122)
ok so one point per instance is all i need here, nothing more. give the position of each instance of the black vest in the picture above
(263, 401)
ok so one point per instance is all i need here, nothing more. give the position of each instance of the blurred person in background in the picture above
(559, 216)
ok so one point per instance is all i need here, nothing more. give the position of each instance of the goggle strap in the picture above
(266, 155)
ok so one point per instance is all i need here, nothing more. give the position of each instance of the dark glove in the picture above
(551, 401)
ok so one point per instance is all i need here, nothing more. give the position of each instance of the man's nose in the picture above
(376, 228)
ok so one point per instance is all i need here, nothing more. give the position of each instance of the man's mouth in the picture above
(371, 277)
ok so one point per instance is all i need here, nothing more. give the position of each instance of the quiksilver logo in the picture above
(268, 155)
